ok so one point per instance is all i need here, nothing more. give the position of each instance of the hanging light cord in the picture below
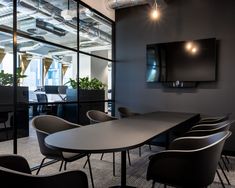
(155, 5)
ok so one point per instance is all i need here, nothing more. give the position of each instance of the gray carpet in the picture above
(136, 173)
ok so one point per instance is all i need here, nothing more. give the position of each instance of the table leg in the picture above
(123, 168)
(123, 172)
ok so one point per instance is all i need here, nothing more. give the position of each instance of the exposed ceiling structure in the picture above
(54, 21)
(118, 4)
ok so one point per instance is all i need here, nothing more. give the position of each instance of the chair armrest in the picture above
(15, 162)
(189, 143)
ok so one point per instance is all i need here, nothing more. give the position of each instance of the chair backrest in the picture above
(125, 112)
(15, 162)
(15, 172)
(42, 97)
(62, 91)
(206, 129)
(96, 116)
(195, 160)
(215, 119)
(48, 124)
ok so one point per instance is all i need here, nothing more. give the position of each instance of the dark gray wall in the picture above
(180, 20)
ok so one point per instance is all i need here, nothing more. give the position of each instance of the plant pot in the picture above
(85, 98)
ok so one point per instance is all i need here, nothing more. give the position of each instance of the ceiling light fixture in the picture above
(155, 12)
(68, 14)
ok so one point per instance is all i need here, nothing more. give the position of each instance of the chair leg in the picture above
(5, 126)
(40, 165)
(65, 165)
(225, 165)
(113, 164)
(222, 183)
(129, 159)
(227, 159)
(102, 156)
(150, 148)
(153, 184)
(84, 166)
(89, 164)
(140, 151)
(61, 165)
(224, 174)
(165, 186)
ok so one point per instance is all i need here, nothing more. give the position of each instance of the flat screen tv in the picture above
(184, 61)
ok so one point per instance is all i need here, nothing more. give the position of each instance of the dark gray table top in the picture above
(117, 135)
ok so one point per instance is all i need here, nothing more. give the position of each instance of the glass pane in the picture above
(6, 15)
(6, 93)
(54, 21)
(95, 33)
(95, 81)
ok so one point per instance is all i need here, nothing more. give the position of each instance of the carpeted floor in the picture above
(102, 169)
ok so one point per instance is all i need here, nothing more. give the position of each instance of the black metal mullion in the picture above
(113, 67)
(78, 54)
(14, 76)
(99, 57)
(45, 42)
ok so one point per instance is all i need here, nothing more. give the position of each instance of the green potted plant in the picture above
(89, 90)
(6, 79)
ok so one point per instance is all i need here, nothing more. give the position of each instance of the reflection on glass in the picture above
(153, 71)
(91, 69)
(52, 21)
(95, 33)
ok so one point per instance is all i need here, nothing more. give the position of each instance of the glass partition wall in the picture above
(56, 57)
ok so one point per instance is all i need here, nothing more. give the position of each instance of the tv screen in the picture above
(188, 61)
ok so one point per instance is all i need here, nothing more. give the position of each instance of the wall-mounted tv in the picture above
(183, 61)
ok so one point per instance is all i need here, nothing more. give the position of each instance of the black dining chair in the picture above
(125, 112)
(207, 129)
(15, 172)
(96, 116)
(189, 161)
(214, 119)
(48, 124)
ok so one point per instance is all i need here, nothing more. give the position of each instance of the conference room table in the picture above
(119, 135)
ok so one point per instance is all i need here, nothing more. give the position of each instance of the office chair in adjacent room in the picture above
(48, 124)
(189, 161)
(15, 172)
(62, 92)
(43, 108)
(4, 119)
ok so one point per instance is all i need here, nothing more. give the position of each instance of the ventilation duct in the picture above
(117, 4)
(50, 28)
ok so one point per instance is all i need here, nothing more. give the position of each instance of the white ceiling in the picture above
(101, 6)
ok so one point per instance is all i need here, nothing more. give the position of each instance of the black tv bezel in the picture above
(186, 81)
